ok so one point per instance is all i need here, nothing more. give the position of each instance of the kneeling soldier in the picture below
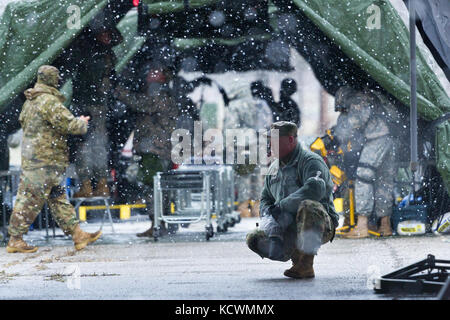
(45, 123)
(297, 210)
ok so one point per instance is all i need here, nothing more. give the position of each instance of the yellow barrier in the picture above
(124, 214)
(82, 213)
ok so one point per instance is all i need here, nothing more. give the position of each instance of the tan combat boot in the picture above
(147, 233)
(102, 189)
(385, 227)
(85, 190)
(81, 239)
(302, 266)
(16, 244)
(360, 231)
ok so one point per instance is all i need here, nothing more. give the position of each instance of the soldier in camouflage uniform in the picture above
(94, 82)
(45, 123)
(297, 209)
(364, 124)
(157, 116)
(247, 112)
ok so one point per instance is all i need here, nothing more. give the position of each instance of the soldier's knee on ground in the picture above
(258, 242)
(252, 239)
(313, 226)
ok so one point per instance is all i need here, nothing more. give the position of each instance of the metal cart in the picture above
(9, 182)
(195, 193)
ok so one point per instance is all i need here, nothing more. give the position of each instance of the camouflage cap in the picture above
(48, 75)
(285, 128)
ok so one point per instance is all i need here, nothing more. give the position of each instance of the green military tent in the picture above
(370, 33)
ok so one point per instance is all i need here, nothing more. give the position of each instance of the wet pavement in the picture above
(186, 266)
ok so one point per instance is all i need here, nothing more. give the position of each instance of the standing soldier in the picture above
(188, 111)
(94, 84)
(262, 93)
(288, 108)
(245, 112)
(157, 114)
(364, 123)
(46, 123)
(296, 207)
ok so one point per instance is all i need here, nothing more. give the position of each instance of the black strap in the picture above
(367, 181)
(368, 166)
(441, 119)
(186, 4)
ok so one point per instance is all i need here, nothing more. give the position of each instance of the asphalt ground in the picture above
(186, 266)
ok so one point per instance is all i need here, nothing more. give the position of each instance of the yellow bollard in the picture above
(82, 213)
(125, 212)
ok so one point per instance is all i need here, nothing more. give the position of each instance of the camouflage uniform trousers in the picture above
(313, 228)
(91, 160)
(374, 184)
(35, 188)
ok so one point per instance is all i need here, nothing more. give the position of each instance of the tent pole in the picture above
(413, 93)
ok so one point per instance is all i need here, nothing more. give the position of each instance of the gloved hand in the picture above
(315, 187)
(274, 211)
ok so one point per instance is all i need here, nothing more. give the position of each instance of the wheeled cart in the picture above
(195, 193)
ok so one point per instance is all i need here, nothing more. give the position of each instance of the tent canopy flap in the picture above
(372, 34)
(379, 48)
(33, 33)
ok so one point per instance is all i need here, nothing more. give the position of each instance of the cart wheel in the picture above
(232, 223)
(156, 234)
(172, 228)
(209, 233)
(222, 228)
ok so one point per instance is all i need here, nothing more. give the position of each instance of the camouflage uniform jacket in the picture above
(157, 117)
(365, 120)
(46, 122)
(291, 183)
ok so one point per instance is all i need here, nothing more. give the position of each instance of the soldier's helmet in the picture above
(48, 75)
(342, 98)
